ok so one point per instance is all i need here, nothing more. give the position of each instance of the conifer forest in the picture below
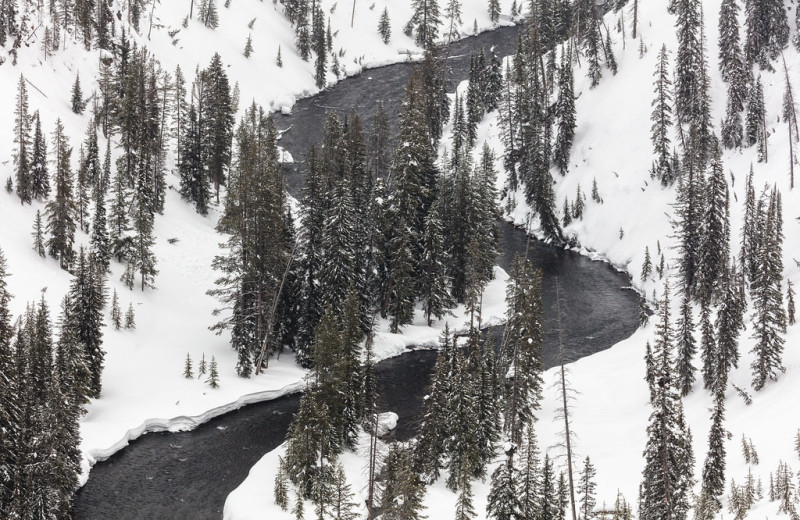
(344, 255)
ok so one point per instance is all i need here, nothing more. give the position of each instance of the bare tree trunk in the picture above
(567, 434)
(262, 357)
(635, 17)
(353, 15)
(191, 9)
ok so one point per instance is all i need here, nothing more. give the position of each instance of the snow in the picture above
(143, 387)
(610, 413)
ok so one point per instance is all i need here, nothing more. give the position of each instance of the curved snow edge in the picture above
(181, 423)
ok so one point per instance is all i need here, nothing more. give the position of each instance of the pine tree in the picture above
(207, 14)
(731, 65)
(248, 46)
(187, 367)
(452, 14)
(767, 31)
(142, 257)
(100, 242)
(593, 42)
(434, 283)
(755, 133)
(494, 11)
(729, 323)
(22, 144)
(201, 368)
(708, 346)
(647, 265)
(216, 120)
(424, 23)
(662, 120)
(40, 179)
(713, 482)
(38, 235)
(60, 211)
(116, 312)
(342, 506)
(280, 490)
(320, 49)
(769, 317)
(213, 374)
(714, 240)
(87, 294)
(77, 96)
(130, 322)
(666, 478)
(686, 348)
(790, 311)
(403, 489)
(565, 112)
(689, 209)
(522, 344)
(503, 502)
(586, 490)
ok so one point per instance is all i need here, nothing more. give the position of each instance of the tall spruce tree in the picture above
(766, 31)
(662, 120)
(667, 475)
(565, 112)
(40, 178)
(686, 348)
(769, 316)
(713, 481)
(61, 210)
(22, 144)
(425, 22)
(87, 295)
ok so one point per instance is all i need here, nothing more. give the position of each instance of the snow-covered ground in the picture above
(143, 387)
(610, 414)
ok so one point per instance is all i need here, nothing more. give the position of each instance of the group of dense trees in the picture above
(44, 387)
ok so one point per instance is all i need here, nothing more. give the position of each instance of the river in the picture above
(188, 475)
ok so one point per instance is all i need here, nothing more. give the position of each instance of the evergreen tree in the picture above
(142, 257)
(319, 45)
(494, 11)
(61, 210)
(248, 46)
(424, 23)
(662, 120)
(8, 390)
(565, 112)
(586, 490)
(130, 322)
(593, 43)
(647, 265)
(342, 506)
(87, 294)
(77, 96)
(281, 489)
(667, 475)
(194, 183)
(767, 31)
(403, 489)
(434, 283)
(213, 374)
(22, 144)
(100, 242)
(686, 348)
(769, 316)
(689, 209)
(38, 235)
(216, 121)
(790, 310)
(713, 482)
(187, 367)
(522, 349)
(503, 502)
(40, 179)
(116, 312)
(207, 14)
(755, 133)
(729, 323)
(385, 26)
(278, 58)
(714, 242)
(452, 14)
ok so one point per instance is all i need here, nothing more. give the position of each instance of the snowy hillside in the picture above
(143, 387)
(612, 146)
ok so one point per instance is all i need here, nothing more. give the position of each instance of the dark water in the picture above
(189, 475)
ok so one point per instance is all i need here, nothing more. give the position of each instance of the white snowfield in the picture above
(143, 386)
(611, 410)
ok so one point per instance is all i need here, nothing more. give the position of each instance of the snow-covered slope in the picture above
(143, 388)
(612, 145)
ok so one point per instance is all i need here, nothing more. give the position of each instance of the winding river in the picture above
(188, 475)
